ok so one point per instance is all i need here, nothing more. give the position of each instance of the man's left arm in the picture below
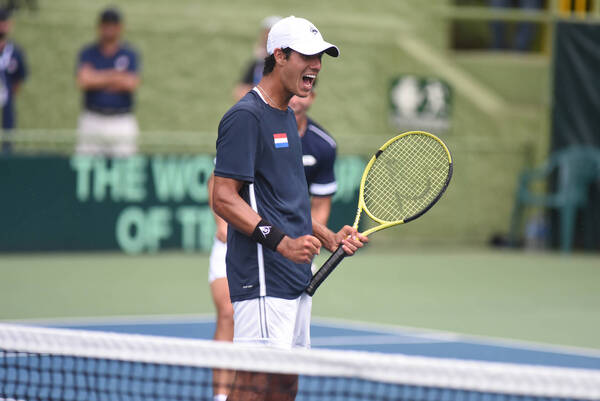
(322, 189)
(20, 73)
(125, 82)
(320, 207)
(128, 80)
(349, 237)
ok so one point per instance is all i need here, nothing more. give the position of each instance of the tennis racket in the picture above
(401, 182)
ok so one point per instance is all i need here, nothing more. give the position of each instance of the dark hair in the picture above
(5, 14)
(270, 61)
(110, 15)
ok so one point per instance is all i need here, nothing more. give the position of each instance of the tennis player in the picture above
(260, 190)
(318, 157)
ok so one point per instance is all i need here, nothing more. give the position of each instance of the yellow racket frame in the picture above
(336, 257)
(383, 224)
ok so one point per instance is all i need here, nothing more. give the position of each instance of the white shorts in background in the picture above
(276, 322)
(107, 135)
(217, 268)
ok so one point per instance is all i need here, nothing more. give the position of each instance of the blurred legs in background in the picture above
(525, 31)
(498, 27)
(222, 379)
(219, 288)
(109, 135)
(6, 139)
(264, 386)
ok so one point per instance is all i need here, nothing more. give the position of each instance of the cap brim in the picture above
(333, 51)
(316, 48)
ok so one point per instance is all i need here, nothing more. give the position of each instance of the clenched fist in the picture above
(301, 249)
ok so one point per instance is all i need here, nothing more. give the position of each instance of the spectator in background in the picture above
(12, 5)
(13, 72)
(525, 32)
(254, 72)
(107, 73)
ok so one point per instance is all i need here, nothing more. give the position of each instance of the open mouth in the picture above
(308, 80)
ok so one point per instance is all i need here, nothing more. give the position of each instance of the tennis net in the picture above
(57, 364)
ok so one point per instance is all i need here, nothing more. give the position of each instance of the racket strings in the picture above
(406, 178)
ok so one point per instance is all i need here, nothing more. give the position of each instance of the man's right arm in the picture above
(89, 78)
(221, 224)
(229, 205)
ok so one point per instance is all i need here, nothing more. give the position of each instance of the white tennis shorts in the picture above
(275, 322)
(107, 135)
(217, 268)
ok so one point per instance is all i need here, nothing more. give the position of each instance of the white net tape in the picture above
(400, 369)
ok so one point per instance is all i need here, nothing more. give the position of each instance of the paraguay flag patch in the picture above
(280, 140)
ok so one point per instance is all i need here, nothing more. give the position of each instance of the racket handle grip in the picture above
(325, 270)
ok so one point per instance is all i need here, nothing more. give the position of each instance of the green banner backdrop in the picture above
(135, 204)
(575, 113)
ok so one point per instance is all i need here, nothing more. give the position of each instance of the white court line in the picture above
(119, 320)
(427, 335)
(454, 337)
(436, 336)
(369, 340)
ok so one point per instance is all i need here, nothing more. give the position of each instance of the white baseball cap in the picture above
(300, 35)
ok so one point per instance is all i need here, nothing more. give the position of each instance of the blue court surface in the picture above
(347, 335)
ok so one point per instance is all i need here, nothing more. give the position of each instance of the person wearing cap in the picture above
(318, 157)
(260, 190)
(253, 72)
(108, 75)
(319, 151)
(13, 72)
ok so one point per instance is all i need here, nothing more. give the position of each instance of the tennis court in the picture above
(474, 307)
(107, 362)
(359, 336)
(536, 297)
(504, 305)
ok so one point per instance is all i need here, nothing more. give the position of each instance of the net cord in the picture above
(499, 378)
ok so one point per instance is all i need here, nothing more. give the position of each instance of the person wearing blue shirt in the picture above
(13, 72)
(260, 189)
(525, 30)
(318, 157)
(108, 75)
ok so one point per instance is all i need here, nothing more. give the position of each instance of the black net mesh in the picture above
(146, 368)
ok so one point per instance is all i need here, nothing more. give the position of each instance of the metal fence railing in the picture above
(582, 10)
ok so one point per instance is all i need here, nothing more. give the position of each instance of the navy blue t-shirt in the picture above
(124, 59)
(13, 70)
(260, 145)
(319, 152)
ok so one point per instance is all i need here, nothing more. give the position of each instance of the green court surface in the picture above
(537, 297)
